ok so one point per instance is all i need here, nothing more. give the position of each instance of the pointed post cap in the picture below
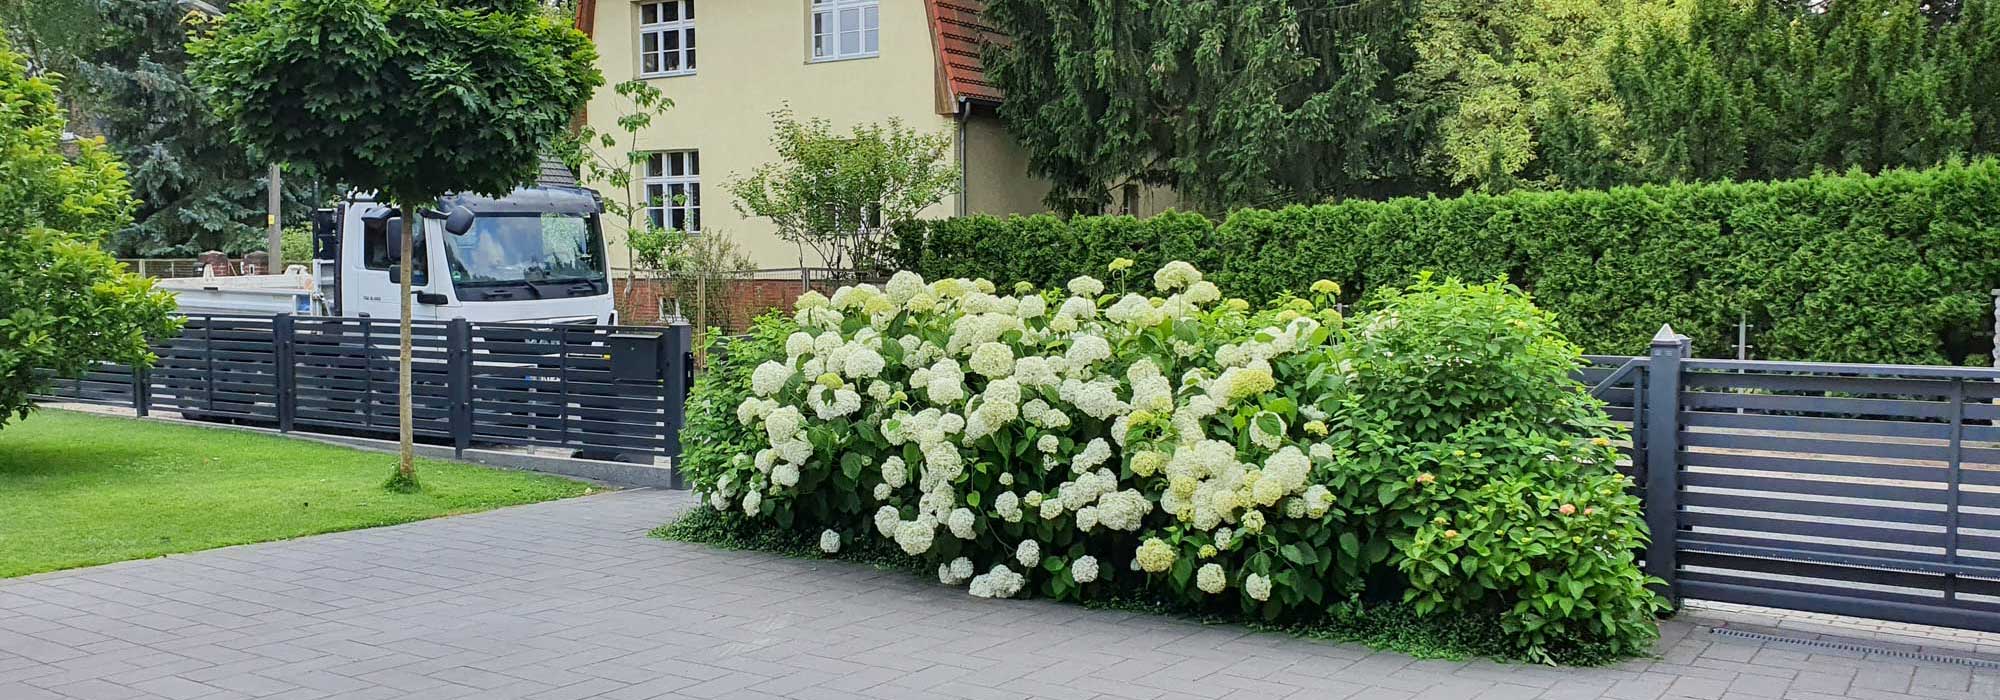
(1667, 337)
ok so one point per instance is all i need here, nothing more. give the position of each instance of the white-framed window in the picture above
(666, 38)
(673, 190)
(846, 29)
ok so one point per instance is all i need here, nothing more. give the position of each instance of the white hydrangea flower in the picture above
(955, 572)
(1224, 537)
(1086, 518)
(1175, 275)
(1029, 553)
(798, 343)
(1123, 510)
(882, 492)
(1000, 582)
(1006, 478)
(1258, 586)
(786, 475)
(1210, 579)
(863, 362)
(783, 423)
(1048, 443)
(769, 377)
(879, 390)
(1087, 349)
(1202, 292)
(886, 520)
(1086, 286)
(1008, 507)
(945, 384)
(894, 472)
(829, 542)
(1084, 569)
(903, 286)
(751, 502)
(1318, 501)
(1031, 306)
(1155, 556)
(1052, 508)
(1321, 451)
(961, 523)
(718, 501)
(992, 360)
(1095, 453)
(914, 536)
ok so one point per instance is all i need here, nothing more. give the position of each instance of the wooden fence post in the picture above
(1663, 425)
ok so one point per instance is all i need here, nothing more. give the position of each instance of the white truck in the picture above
(536, 256)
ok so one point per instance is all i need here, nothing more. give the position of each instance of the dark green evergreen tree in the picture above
(1259, 102)
(197, 189)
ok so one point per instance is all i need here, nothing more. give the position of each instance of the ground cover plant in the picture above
(79, 490)
(1149, 440)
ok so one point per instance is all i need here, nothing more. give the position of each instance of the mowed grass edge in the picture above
(81, 490)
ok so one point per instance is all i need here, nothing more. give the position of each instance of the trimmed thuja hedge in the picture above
(1282, 462)
(1894, 268)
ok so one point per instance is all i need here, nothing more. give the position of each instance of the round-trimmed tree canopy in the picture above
(411, 98)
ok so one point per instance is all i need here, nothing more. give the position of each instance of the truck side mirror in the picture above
(458, 221)
(394, 230)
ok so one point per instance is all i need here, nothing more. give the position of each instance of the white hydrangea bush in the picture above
(1143, 434)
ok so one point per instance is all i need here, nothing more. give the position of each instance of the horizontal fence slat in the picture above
(1779, 443)
(1808, 528)
(1850, 511)
(1813, 487)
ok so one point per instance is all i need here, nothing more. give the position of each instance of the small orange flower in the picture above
(1426, 478)
(1451, 534)
(1590, 511)
(1567, 509)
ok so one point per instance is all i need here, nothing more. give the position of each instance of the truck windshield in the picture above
(516, 248)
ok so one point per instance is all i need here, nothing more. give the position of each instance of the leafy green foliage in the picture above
(1271, 464)
(64, 302)
(1891, 268)
(412, 98)
(836, 193)
(197, 190)
(1273, 102)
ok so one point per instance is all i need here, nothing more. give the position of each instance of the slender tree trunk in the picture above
(405, 469)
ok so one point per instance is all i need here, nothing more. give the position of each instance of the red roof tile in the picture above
(961, 32)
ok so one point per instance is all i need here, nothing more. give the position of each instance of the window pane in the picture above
(670, 12)
(689, 11)
(694, 162)
(871, 41)
(672, 41)
(689, 38)
(649, 13)
(870, 17)
(655, 195)
(653, 166)
(657, 216)
(850, 20)
(679, 219)
(690, 59)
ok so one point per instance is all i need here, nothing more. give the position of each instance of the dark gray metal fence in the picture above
(1864, 490)
(603, 390)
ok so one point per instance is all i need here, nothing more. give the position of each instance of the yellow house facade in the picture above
(727, 65)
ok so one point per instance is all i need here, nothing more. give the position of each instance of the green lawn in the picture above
(78, 490)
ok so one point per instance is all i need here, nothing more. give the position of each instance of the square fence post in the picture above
(1663, 425)
(678, 366)
(284, 369)
(458, 341)
(142, 394)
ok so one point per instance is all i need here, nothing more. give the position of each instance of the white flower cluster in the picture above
(1093, 409)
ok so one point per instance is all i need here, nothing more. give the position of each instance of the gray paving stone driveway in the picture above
(572, 600)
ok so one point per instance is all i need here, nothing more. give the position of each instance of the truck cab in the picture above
(534, 256)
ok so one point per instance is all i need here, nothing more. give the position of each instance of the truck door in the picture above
(366, 283)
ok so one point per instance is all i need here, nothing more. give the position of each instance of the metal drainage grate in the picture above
(1854, 647)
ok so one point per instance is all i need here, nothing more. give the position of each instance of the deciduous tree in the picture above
(413, 99)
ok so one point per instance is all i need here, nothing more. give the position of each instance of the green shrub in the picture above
(1889, 268)
(1274, 463)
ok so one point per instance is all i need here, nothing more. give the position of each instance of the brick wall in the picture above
(736, 304)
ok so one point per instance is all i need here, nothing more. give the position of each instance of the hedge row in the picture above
(1894, 268)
